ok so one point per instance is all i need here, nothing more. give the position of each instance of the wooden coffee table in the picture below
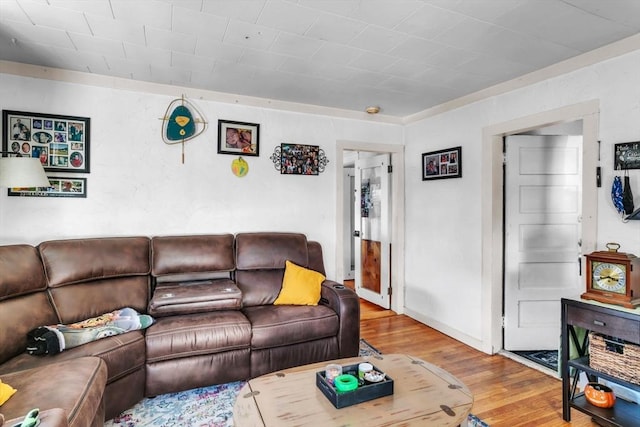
(423, 395)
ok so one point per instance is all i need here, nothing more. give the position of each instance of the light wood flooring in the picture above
(506, 393)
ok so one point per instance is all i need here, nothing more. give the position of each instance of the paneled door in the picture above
(372, 229)
(543, 199)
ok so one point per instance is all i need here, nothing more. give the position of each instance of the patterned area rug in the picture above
(204, 407)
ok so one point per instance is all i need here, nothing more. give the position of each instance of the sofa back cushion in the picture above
(188, 258)
(316, 261)
(90, 277)
(24, 303)
(260, 263)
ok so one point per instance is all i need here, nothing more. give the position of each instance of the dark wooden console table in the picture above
(608, 321)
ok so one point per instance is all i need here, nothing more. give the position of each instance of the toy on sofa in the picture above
(56, 338)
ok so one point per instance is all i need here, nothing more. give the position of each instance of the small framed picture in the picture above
(59, 187)
(627, 155)
(60, 142)
(442, 164)
(299, 159)
(238, 138)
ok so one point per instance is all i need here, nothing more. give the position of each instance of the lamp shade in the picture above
(22, 172)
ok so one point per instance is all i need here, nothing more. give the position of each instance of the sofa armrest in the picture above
(346, 304)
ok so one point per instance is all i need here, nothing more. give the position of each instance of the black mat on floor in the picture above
(546, 358)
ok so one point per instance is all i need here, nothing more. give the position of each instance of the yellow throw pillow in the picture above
(300, 286)
(6, 391)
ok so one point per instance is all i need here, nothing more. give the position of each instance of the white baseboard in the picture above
(453, 333)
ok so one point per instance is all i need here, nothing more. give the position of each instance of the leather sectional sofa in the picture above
(211, 297)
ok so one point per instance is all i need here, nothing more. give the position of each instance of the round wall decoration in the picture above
(239, 167)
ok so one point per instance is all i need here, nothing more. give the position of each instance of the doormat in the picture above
(546, 358)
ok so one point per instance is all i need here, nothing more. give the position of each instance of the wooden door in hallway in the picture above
(372, 229)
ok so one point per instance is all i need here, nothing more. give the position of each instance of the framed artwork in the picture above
(299, 159)
(442, 164)
(627, 155)
(60, 187)
(60, 142)
(238, 138)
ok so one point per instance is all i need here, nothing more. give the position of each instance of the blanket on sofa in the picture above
(56, 338)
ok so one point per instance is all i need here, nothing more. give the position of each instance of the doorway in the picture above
(493, 204)
(346, 247)
(542, 237)
(370, 236)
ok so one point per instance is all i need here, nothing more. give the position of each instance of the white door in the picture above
(543, 199)
(372, 230)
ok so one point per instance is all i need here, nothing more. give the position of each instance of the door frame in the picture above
(492, 203)
(348, 175)
(397, 213)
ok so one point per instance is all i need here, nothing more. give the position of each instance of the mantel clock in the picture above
(613, 277)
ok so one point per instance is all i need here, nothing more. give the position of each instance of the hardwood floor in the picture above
(367, 309)
(506, 393)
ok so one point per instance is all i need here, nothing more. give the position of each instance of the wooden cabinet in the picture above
(607, 321)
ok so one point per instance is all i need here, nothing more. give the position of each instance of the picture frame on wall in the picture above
(60, 187)
(627, 155)
(442, 164)
(62, 143)
(238, 138)
(300, 159)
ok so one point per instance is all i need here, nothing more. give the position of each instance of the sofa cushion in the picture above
(17, 317)
(75, 303)
(300, 286)
(82, 379)
(22, 271)
(49, 418)
(195, 297)
(278, 325)
(89, 277)
(197, 257)
(277, 358)
(260, 263)
(81, 260)
(175, 337)
(52, 339)
(122, 354)
(316, 261)
(24, 303)
(260, 251)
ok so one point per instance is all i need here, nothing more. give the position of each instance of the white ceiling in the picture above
(403, 55)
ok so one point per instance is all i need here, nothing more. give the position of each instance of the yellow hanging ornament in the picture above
(239, 167)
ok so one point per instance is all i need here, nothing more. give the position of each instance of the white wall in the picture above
(444, 231)
(138, 186)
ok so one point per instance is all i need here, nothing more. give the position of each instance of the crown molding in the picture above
(621, 47)
(91, 79)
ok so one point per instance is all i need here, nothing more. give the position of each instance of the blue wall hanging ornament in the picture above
(616, 194)
(181, 122)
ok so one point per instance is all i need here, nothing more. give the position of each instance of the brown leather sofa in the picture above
(211, 297)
